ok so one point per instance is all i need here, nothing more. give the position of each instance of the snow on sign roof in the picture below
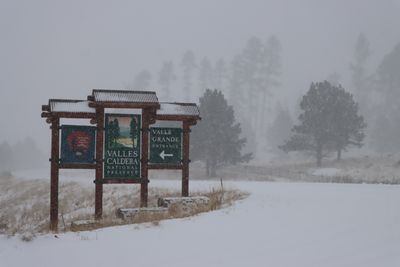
(124, 96)
(178, 109)
(60, 105)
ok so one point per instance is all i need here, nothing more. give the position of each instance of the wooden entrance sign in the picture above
(123, 119)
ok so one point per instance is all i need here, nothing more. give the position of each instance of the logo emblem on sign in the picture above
(78, 142)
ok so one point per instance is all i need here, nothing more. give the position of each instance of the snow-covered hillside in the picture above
(279, 224)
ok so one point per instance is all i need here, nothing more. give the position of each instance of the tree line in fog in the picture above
(251, 79)
(247, 86)
(24, 154)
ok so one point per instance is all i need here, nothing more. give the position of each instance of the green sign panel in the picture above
(122, 146)
(77, 144)
(165, 145)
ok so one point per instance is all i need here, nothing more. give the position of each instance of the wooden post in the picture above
(145, 158)
(185, 163)
(98, 213)
(54, 173)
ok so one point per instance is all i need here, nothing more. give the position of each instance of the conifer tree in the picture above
(142, 80)
(279, 130)
(385, 136)
(220, 74)
(6, 158)
(205, 74)
(166, 77)
(236, 86)
(359, 76)
(254, 74)
(329, 121)
(216, 140)
(188, 65)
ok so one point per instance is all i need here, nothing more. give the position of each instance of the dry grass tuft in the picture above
(28, 236)
(218, 199)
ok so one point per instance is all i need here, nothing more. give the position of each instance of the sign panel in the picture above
(122, 146)
(165, 145)
(77, 144)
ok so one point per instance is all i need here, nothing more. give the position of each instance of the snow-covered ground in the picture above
(279, 224)
(325, 172)
(374, 168)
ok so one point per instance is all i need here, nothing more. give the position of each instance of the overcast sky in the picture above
(63, 49)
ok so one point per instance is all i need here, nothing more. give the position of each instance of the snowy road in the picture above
(279, 224)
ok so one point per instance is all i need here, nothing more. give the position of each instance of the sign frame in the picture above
(163, 152)
(76, 141)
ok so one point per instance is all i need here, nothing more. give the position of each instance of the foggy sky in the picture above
(63, 49)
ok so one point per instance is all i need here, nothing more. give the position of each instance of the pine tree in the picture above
(236, 86)
(166, 77)
(142, 80)
(279, 131)
(134, 131)
(329, 121)
(116, 131)
(334, 78)
(220, 75)
(188, 65)
(387, 128)
(6, 158)
(255, 72)
(359, 76)
(216, 139)
(270, 73)
(111, 133)
(347, 125)
(253, 60)
(385, 137)
(205, 74)
(27, 154)
(389, 78)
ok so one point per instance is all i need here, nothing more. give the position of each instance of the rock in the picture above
(185, 202)
(131, 212)
(84, 225)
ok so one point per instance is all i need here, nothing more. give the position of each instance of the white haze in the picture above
(63, 49)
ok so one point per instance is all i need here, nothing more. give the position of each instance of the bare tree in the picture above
(166, 77)
(188, 65)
